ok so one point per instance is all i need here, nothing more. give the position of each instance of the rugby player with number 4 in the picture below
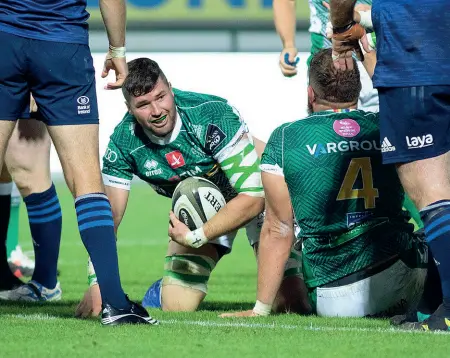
(170, 135)
(360, 256)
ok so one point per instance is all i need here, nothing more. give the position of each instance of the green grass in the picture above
(50, 329)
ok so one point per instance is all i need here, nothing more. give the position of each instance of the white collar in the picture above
(169, 138)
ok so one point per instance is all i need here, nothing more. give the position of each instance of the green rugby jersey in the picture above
(209, 140)
(347, 204)
(318, 17)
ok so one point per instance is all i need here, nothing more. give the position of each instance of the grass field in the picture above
(50, 330)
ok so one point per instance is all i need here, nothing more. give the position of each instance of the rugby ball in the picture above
(195, 201)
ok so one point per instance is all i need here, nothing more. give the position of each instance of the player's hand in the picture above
(358, 7)
(177, 230)
(248, 313)
(344, 44)
(91, 304)
(119, 66)
(288, 61)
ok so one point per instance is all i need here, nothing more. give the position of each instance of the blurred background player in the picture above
(167, 136)
(20, 262)
(48, 56)
(28, 161)
(360, 256)
(285, 24)
(416, 136)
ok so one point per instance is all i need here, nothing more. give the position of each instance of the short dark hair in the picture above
(330, 84)
(143, 74)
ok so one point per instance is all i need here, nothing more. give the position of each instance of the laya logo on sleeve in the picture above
(175, 159)
(214, 136)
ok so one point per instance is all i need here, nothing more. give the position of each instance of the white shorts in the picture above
(253, 230)
(396, 288)
(368, 97)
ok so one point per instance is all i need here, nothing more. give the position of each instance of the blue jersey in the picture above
(49, 20)
(412, 42)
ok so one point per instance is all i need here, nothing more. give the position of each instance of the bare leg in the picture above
(180, 298)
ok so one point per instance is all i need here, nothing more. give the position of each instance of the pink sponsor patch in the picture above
(346, 127)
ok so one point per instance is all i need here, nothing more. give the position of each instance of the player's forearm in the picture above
(114, 17)
(273, 253)
(236, 213)
(118, 199)
(285, 21)
(370, 61)
(341, 12)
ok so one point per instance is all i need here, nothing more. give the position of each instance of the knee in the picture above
(177, 298)
(292, 297)
(184, 285)
(293, 294)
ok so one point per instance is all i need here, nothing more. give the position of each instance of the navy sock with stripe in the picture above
(436, 219)
(44, 216)
(96, 226)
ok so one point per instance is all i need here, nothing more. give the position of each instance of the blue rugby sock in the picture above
(96, 226)
(44, 216)
(436, 219)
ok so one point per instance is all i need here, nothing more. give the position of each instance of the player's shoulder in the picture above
(188, 101)
(279, 131)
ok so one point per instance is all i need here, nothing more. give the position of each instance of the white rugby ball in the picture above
(195, 201)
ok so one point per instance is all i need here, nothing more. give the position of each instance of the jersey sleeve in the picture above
(229, 142)
(117, 170)
(272, 158)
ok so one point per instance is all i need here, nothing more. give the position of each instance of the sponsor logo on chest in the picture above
(175, 159)
(152, 168)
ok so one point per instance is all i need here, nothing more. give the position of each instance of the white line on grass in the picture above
(310, 327)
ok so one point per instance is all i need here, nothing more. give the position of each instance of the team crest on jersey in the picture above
(214, 136)
(175, 159)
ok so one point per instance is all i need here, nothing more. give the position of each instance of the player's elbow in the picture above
(279, 231)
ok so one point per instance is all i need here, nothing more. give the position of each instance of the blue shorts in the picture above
(414, 122)
(60, 76)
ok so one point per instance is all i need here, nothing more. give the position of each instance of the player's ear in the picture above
(170, 88)
(311, 95)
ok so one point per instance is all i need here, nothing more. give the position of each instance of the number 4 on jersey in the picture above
(368, 192)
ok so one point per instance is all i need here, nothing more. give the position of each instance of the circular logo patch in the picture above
(347, 128)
